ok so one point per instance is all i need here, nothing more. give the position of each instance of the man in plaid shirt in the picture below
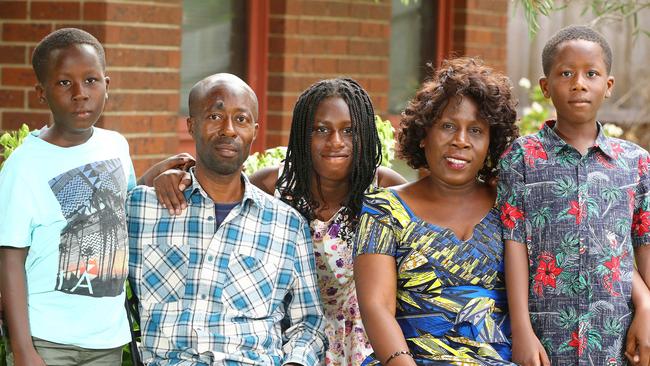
(231, 280)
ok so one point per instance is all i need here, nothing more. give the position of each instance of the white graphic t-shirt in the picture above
(67, 206)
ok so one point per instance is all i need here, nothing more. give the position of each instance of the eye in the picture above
(63, 82)
(475, 130)
(91, 80)
(592, 73)
(447, 126)
(241, 118)
(320, 129)
(567, 74)
(214, 116)
(347, 131)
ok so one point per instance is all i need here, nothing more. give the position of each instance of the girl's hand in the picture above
(169, 189)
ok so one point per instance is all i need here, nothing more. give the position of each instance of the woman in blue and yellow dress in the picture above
(429, 256)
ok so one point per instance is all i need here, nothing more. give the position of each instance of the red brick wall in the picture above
(142, 42)
(480, 30)
(315, 39)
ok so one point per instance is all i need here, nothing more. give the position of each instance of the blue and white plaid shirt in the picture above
(241, 293)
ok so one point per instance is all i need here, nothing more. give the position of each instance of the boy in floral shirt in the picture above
(574, 205)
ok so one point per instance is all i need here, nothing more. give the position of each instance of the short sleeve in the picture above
(16, 206)
(510, 198)
(641, 216)
(376, 231)
(128, 164)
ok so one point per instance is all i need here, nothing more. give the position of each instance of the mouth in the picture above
(579, 102)
(456, 162)
(82, 114)
(226, 150)
(335, 157)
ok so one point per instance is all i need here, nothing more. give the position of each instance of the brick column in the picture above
(142, 42)
(312, 40)
(480, 30)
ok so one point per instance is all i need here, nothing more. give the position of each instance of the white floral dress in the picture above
(348, 344)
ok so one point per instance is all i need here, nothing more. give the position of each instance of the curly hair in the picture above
(467, 77)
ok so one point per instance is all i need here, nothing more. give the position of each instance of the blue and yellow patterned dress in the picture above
(451, 300)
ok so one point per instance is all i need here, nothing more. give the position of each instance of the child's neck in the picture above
(60, 138)
(329, 195)
(581, 136)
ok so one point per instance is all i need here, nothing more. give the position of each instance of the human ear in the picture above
(543, 83)
(610, 86)
(107, 81)
(190, 126)
(40, 91)
(255, 132)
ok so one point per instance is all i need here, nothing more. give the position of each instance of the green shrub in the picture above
(10, 140)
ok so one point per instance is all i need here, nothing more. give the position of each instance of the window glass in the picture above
(214, 40)
(412, 46)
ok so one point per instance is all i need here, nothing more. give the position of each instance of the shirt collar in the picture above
(552, 142)
(251, 193)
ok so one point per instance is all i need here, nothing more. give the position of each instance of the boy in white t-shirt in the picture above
(63, 238)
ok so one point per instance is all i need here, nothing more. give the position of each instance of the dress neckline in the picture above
(440, 228)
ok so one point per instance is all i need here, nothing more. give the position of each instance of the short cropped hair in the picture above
(464, 77)
(570, 33)
(59, 39)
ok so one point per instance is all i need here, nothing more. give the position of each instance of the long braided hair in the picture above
(294, 184)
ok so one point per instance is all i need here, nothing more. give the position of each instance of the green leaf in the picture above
(594, 339)
(541, 217)
(611, 194)
(611, 326)
(10, 140)
(568, 318)
(565, 187)
(386, 134)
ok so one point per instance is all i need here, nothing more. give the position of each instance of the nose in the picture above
(460, 139)
(227, 128)
(336, 139)
(79, 92)
(578, 82)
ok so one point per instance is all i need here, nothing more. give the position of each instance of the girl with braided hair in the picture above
(333, 157)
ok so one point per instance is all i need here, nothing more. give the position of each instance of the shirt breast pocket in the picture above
(250, 286)
(165, 271)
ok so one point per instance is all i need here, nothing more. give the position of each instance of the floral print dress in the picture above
(348, 344)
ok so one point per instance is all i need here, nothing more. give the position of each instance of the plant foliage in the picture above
(274, 156)
(10, 140)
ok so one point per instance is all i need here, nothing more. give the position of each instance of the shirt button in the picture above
(204, 296)
(210, 218)
(210, 258)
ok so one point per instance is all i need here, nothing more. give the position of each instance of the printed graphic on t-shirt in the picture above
(92, 252)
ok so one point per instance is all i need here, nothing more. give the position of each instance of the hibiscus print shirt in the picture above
(580, 217)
